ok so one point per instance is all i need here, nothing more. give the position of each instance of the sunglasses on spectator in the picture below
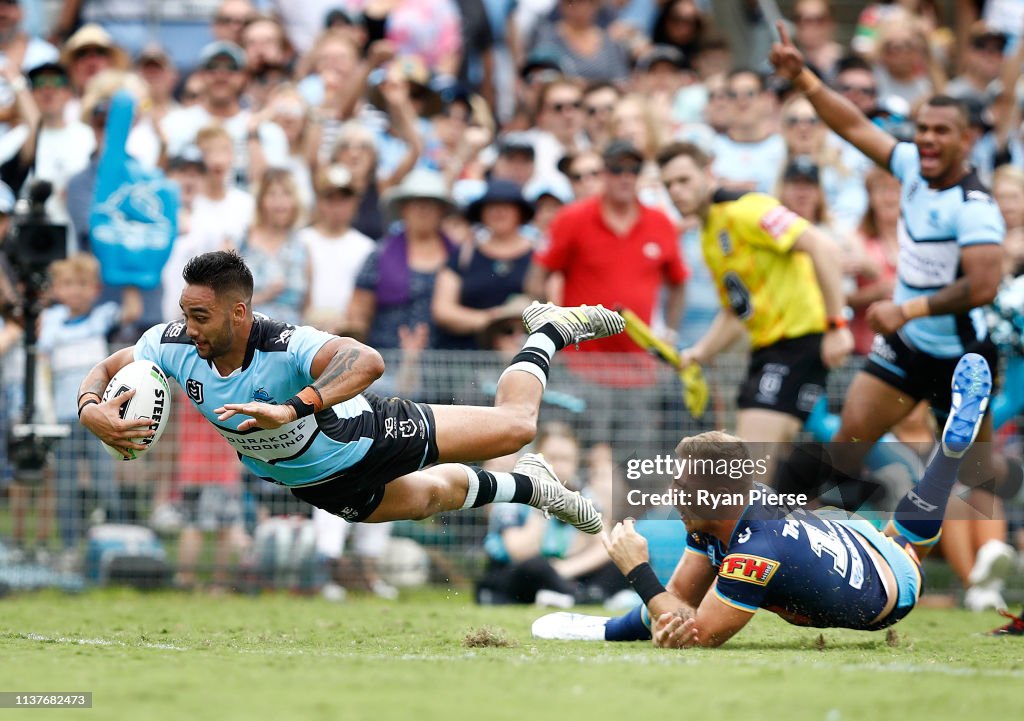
(9, 2)
(793, 121)
(562, 107)
(190, 95)
(744, 94)
(593, 110)
(868, 90)
(230, 20)
(91, 51)
(624, 168)
(577, 177)
(811, 19)
(718, 95)
(988, 46)
(48, 80)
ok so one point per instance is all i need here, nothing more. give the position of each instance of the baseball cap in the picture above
(618, 148)
(515, 142)
(663, 54)
(188, 157)
(222, 49)
(802, 168)
(50, 68)
(541, 59)
(338, 16)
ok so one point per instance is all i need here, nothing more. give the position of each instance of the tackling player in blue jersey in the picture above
(821, 568)
(949, 266)
(293, 402)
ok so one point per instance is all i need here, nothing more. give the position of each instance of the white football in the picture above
(152, 400)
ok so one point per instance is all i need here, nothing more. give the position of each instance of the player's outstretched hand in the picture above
(263, 415)
(104, 421)
(836, 347)
(626, 547)
(885, 317)
(784, 57)
(675, 630)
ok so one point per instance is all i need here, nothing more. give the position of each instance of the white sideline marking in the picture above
(666, 659)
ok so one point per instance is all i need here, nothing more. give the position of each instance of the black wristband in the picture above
(302, 409)
(644, 581)
(85, 403)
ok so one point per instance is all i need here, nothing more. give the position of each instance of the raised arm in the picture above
(837, 112)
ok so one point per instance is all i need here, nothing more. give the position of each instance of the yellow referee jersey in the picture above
(747, 242)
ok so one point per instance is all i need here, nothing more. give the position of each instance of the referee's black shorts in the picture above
(787, 376)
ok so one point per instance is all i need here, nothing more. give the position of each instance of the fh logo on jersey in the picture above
(750, 569)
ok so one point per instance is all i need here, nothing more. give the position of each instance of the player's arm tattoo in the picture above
(349, 370)
(342, 362)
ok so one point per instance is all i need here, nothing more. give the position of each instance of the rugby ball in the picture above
(152, 400)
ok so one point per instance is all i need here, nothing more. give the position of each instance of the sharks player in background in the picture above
(821, 568)
(293, 402)
(949, 267)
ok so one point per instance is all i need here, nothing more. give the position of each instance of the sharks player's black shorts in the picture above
(406, 441)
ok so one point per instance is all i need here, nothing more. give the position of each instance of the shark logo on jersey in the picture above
(195, 390)
(260, 395)
(285, 336)
(979, 196)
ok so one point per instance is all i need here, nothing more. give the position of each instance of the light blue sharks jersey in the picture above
(277, 365)
(934, 226)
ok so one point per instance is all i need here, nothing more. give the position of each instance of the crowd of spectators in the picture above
(409, 172)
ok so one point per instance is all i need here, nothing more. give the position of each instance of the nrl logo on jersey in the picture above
(194, 389)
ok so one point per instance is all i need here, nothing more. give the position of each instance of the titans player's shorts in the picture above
(918, 374)
(406, 441)
(787, 376)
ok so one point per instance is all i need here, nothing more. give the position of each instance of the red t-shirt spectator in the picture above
(600, 266)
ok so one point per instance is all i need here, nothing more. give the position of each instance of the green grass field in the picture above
(176, 656)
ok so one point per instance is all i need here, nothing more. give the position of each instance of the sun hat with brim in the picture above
(92, 35)
(420, 184)
(500, 191)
